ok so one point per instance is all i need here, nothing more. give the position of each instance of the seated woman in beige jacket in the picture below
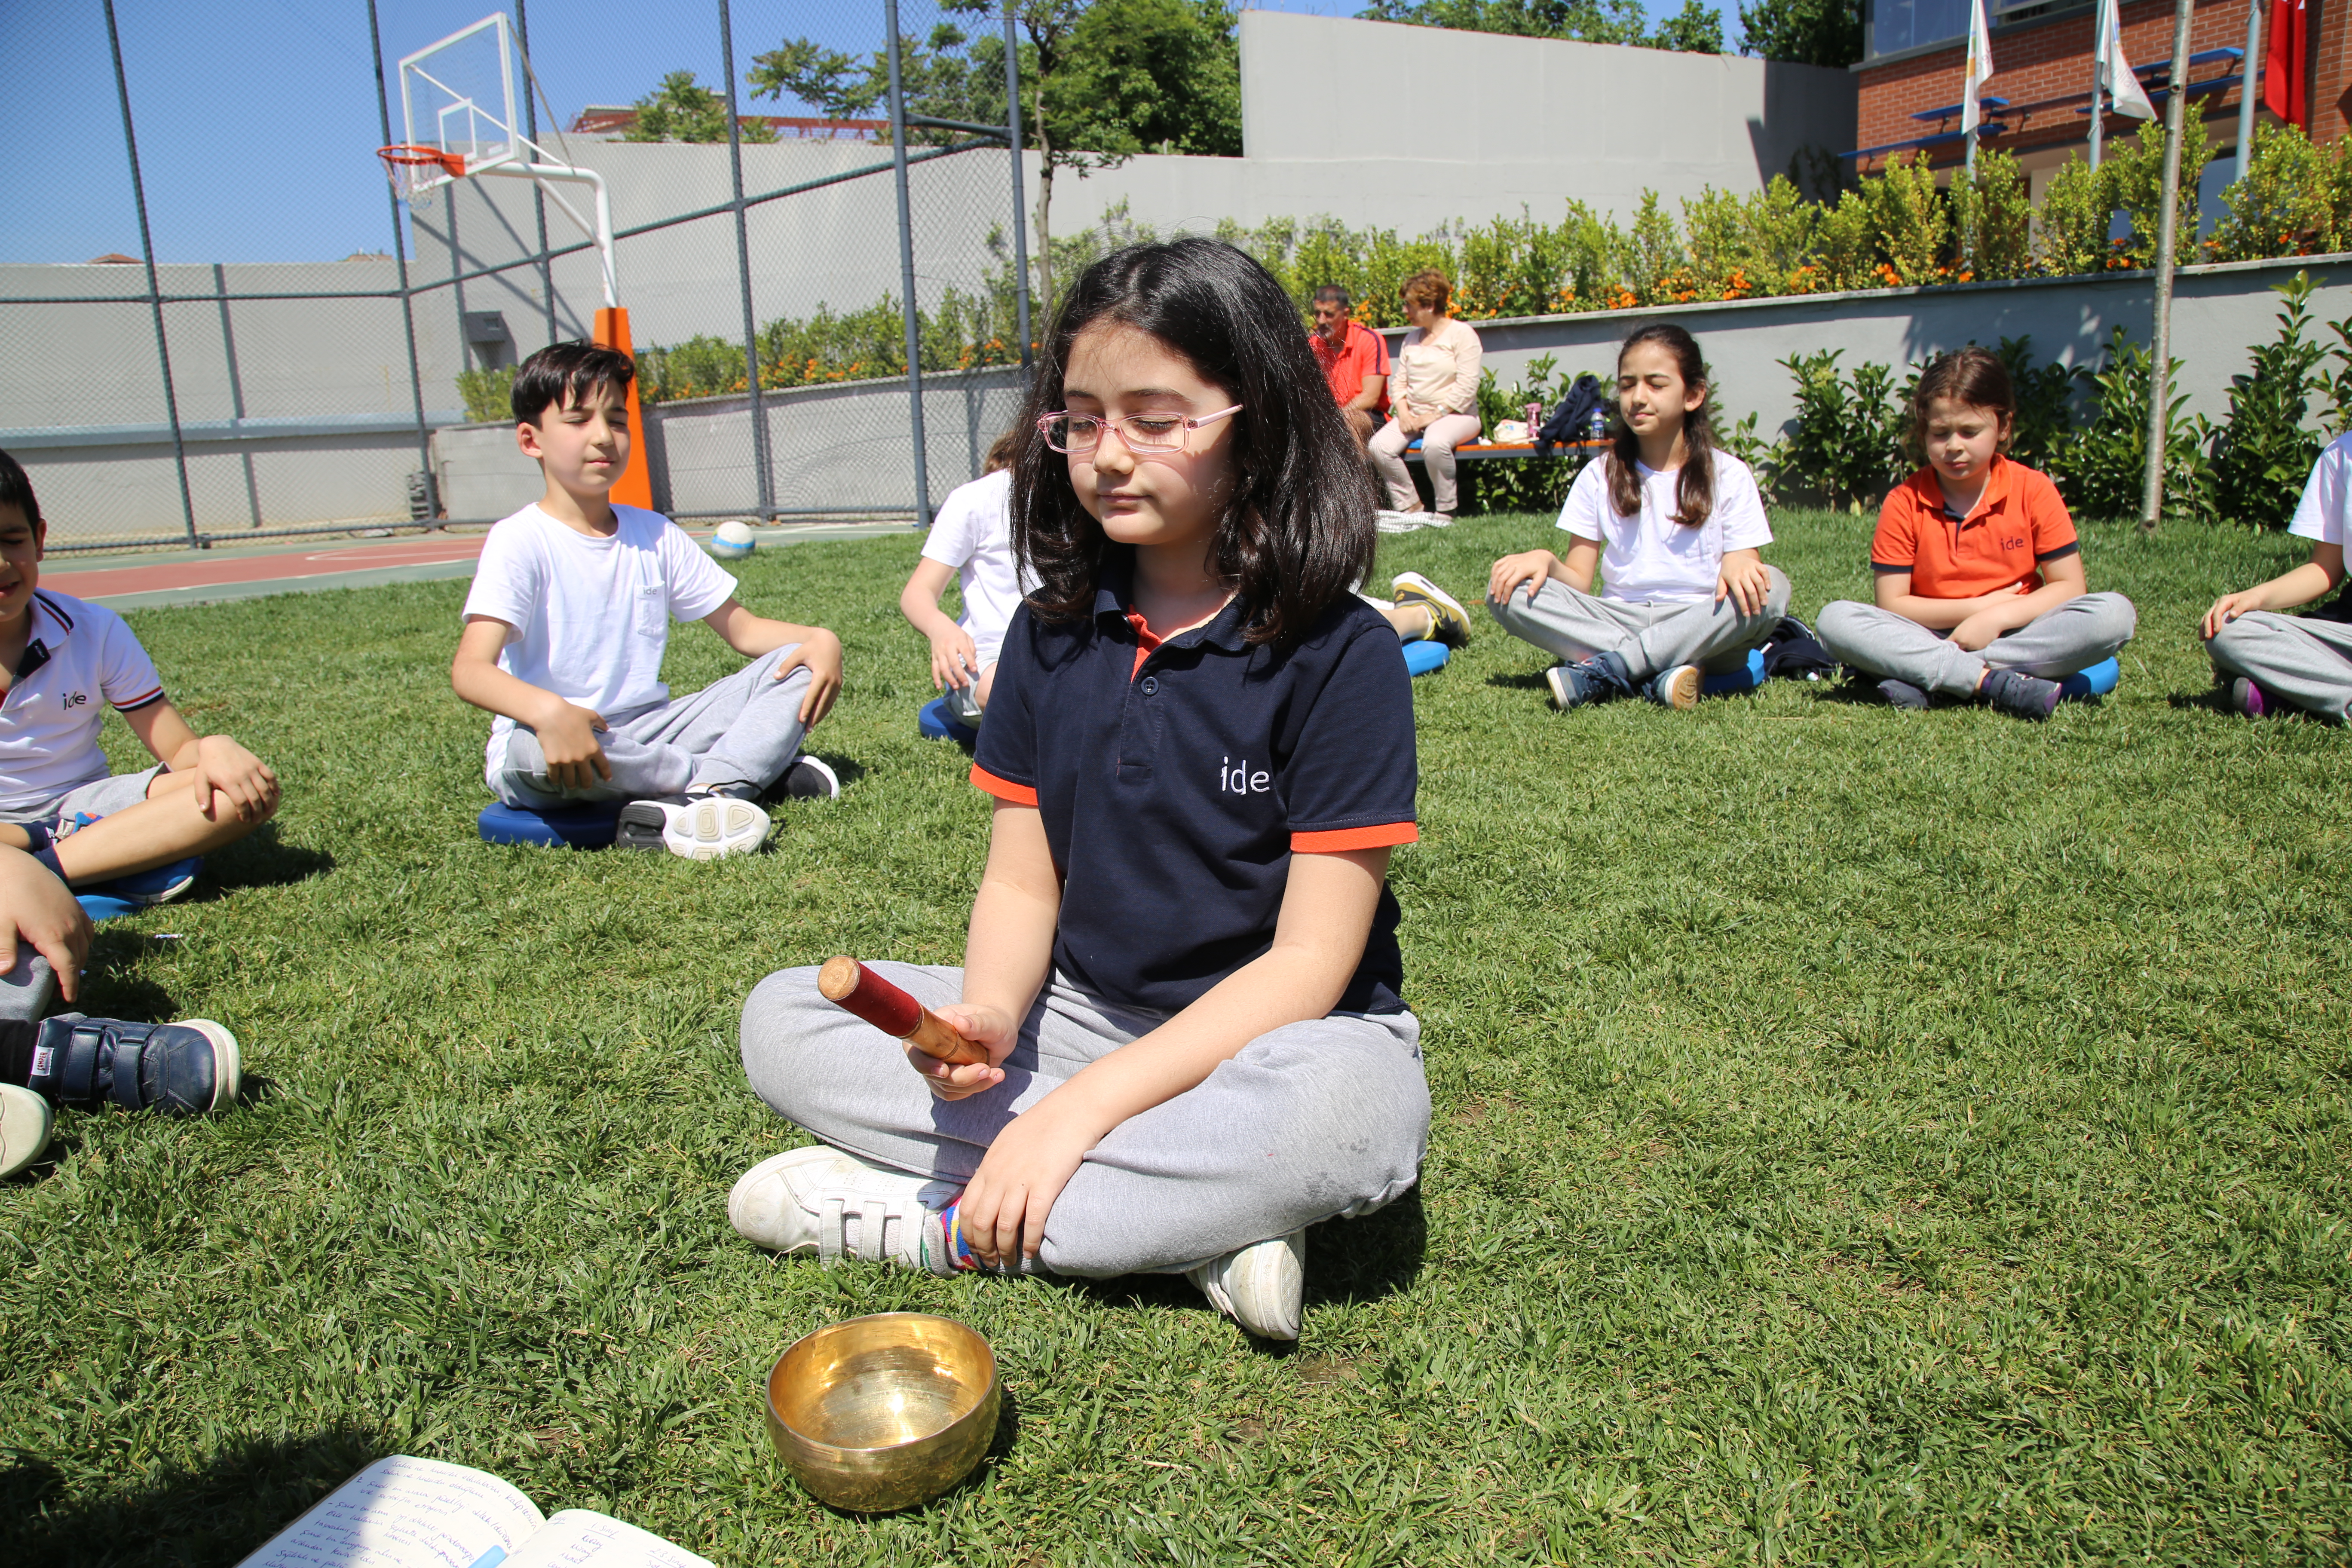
(1433, 393)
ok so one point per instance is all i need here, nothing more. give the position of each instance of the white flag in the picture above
(2125, 94)
(1979, 66)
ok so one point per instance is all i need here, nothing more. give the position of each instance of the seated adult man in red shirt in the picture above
(1355, 361)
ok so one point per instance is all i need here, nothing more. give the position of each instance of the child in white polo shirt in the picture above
(567, 622)
(62, 664)
(970, 541)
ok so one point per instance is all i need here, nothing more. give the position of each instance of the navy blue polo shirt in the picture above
(1176, 780)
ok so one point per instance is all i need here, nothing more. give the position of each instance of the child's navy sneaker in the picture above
(1676, 687)
(156, 885)
(1601, 678)
(1903, 694)
(25, 1122)
(2019, 694)
(185, 1068)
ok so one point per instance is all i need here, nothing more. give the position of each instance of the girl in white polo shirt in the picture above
(1674, 526)
(970, 541)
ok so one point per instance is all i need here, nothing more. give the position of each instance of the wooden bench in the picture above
(1471, 450)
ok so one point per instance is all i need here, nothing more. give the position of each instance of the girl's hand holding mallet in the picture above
(957, 1054)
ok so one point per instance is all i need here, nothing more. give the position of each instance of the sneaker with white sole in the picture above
(1676, 688)
(697, 827)
(25, 1119)
(1262, 1286)
(810, 779)
(1449, 623)
(837, 1206)
(183, 1068)
(1388, 521)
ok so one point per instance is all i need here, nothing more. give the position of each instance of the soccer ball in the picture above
(733, 542)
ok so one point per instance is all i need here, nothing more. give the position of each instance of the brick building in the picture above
(1916, 49)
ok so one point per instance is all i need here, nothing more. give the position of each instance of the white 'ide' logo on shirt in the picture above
(1237, 778)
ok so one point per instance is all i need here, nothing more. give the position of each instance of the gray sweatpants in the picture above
(735, 736)
(2086, 630)
(2306, 661)
(30, 989)
(1315, 1121)
(1652, 636)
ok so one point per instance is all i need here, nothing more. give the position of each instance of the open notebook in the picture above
(405, 1513)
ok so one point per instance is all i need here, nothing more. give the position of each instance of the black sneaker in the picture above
(2016, 693)
(185, 1068)
(641, 823)
(1603, 677)
(1903, 694)
(810, 779)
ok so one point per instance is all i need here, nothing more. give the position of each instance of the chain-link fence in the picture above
(766, 276)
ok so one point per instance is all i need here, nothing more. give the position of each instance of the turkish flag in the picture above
(2282, 70)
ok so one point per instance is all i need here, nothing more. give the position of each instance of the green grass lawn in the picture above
(1860, 1136)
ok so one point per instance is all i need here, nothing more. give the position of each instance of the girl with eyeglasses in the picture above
(1183, 960)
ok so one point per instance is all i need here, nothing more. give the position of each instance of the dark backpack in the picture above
(1795, 654)
(1573, 418)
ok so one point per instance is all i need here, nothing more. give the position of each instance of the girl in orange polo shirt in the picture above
(1979, 585)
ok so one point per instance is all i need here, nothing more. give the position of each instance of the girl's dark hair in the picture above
(1694, 485)
(1297, 531)
(1971, 375)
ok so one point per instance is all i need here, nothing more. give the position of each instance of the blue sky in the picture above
(256, 118)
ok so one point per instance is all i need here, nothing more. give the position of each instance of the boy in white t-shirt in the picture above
(2274, 662)
(62, 664)
(1674, 525)
(566, 626)
(971, 540)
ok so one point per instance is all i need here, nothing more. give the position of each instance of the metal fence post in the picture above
(407, 298)
(905, 273)
(155, 293)
(1020, 200)
(767, 486)
(235, 388)
(538, 196)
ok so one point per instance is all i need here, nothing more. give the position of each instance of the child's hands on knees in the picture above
(1745, 582)
(2228, 608)
(568, 740)
(955, 659)
(989, 1027)
(1002, 1214)
(820, 652)
(40, 910)
(1532, 568)
(228, 768)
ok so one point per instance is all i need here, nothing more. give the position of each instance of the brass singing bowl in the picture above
(883, 1412)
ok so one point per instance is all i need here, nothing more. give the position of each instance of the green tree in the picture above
(683, 110)
(1696, 28)
(1810, 32)
(1159, 76)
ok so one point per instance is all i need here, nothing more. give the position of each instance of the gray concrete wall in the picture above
(2217, 313)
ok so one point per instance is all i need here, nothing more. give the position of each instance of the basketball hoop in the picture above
(414, 170)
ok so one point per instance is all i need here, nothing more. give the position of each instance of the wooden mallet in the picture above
(857, 989)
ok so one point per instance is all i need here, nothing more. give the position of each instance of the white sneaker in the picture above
(1449, 623)
(704, 827)
(1261, 1286)
(834, 1205)
(26, 1119)
(1389, 522)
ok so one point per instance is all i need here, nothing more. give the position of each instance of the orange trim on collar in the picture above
(1146, 639)
(1002, 789)
(1339, 839)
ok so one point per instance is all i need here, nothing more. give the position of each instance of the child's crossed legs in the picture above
(1316, 1120)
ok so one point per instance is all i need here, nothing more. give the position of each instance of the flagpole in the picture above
(2099, 82)
(2249, 72)
(2159, 396)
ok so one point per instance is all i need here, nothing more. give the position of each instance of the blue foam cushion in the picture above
(2095, 681)
(1732, 682)
(1421, 657)
(106, 906)
(579, 826)
(933, 723)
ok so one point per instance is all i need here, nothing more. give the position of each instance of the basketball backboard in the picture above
(461, 97)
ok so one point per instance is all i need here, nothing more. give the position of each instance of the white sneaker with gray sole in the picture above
(697, 827)
(837, 1206)
(1262, 1286)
